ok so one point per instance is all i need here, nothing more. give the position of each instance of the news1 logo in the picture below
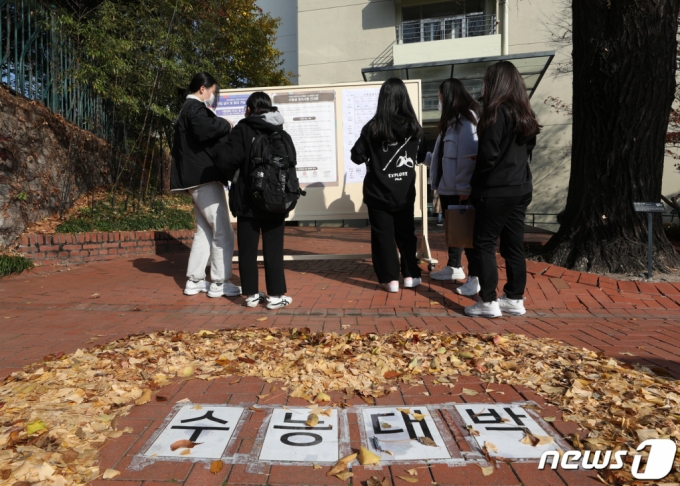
(659, 461)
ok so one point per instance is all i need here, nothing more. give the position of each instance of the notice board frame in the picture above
(344, 201)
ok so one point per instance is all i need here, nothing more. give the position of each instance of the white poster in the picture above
(310, 121)
(232, 106)
(396, 435)
(358, 107)
(504, 426)
(289, 438)
(210, 427)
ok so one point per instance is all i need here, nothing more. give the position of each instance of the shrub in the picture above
(10, 264)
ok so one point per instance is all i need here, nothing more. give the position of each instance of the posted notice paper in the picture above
(358, 107)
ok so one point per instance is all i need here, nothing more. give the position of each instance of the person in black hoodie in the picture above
(501, 189)
(391, 145)
(234, 159)
(197, 133)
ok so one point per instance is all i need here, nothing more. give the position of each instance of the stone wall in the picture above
(46, 163)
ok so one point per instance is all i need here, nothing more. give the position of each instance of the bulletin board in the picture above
(324, 122)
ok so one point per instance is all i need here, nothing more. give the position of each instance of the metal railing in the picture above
(425, 30)
(38, 62)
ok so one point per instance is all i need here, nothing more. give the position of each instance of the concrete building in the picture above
(337, 41)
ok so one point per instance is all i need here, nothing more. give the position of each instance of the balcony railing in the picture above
(425, 30)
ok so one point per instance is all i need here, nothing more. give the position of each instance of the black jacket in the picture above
(389, 184)
(197, 132)
(502, 167)
(233, 158)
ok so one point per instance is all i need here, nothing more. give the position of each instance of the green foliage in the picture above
(10, 264)
(22, 196)
(672, 231)
(171, 213)
(140, 54)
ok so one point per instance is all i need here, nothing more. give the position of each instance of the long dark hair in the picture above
(203, 80)
(260, 103)
(457, 103)
(393, 100)
(503, 85)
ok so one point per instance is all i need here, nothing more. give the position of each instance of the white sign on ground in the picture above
(504, 426)
(402, 434)
(289, 438)
(211, 427)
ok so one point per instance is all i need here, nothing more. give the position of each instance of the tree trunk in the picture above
(624, 83)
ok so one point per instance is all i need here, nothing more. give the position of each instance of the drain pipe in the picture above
(505, 39)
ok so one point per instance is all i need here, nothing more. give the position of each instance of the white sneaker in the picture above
(513, 307)
(448, 273)
(392, 287)
(410, 282)
(193, 288)
(278, 302)
(255, 299)
(227, 288)
(469, 288)
(484, 309)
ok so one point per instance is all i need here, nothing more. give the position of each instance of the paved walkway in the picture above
(53, 310)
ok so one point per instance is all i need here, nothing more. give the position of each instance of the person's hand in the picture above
(464, 200)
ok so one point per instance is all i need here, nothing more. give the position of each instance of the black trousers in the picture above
(456, 254)
(248, 234)
(391, 230)
(500, 217)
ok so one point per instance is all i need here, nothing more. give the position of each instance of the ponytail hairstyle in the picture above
(457, 103)
(504, 85)
(200, 80)
(393, 100)
(260, 103)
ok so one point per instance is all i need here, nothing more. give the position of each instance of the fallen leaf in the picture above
(490, 447)
(145, 398)
(216, 467)
(322, 397)
(110, 473)
(385, 425)
(35, 426)
(312, 420)
(412, 472)
(185, 372)
(344, 475)
(185, 452)
(341, 465)
(418, 416)
(261, 319)
(388, 375)
(316, 466)
(427, 441)
(407, 411)
(160, 398)
(94, 296)
(530, 439)
(183, 443)
(467, 391)
(644, 434)
(367, 457)
(69, 456)
(549, 419)
(486, 470)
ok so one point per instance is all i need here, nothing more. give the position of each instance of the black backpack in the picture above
(274, 185)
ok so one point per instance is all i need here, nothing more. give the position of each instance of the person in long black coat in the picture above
(197, 134)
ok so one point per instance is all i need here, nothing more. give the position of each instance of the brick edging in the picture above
(45, 249)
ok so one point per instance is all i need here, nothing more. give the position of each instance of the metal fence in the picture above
(425, 30)
(38, 62)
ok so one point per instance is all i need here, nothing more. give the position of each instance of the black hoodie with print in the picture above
(390, 181)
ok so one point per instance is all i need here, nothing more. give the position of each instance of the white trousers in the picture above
(214, 238)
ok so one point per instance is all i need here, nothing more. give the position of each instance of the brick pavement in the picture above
(52, 310)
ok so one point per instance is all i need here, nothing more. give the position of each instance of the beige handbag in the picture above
(459, 226)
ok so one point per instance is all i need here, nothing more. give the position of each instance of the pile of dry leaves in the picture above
(56, 414)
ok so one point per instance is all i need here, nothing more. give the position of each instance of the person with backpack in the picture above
(501, 189)
(260, 158)
(391, 144)
(452, 163)
(197, 133)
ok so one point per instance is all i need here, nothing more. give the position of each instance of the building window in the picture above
(445, 20)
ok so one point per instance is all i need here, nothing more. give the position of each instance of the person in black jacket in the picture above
(233, 158)
(391, 145)
(501, 189)
(197, 132)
